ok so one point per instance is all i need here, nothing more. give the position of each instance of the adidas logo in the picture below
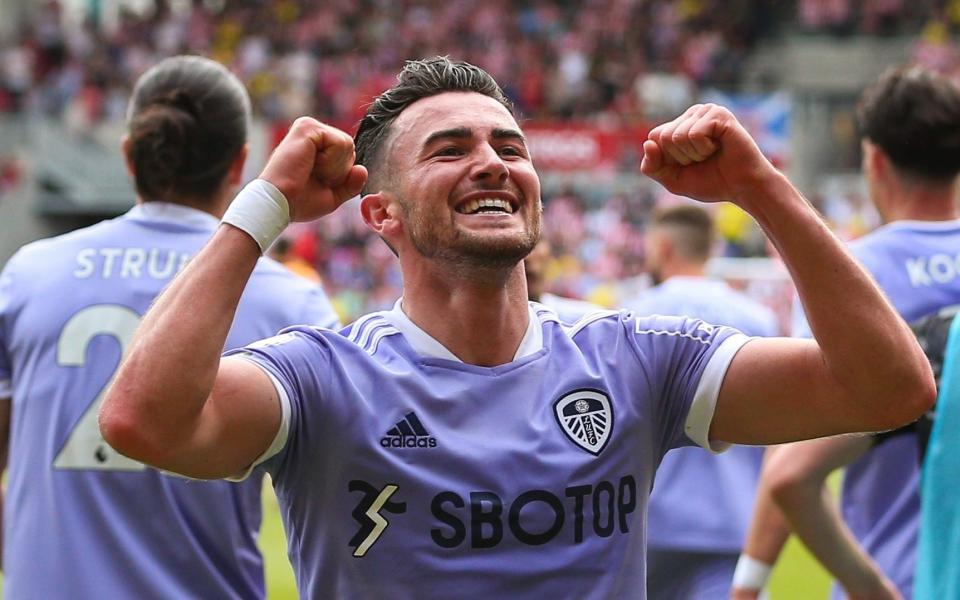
(409, 432)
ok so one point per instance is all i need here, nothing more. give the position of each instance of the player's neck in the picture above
(917, 202)
(682, 269)
(480, 322)
(923, 209)
(214, 206)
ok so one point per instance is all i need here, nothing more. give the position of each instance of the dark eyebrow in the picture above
(455, 133)
(509, 134)
(466, 132)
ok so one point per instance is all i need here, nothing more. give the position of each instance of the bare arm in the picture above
(795, 477)
(864, 371)
(174, 403)
(768, 530)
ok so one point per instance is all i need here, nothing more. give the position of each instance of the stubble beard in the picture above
(465, 249)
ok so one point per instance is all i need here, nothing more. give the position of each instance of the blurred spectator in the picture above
(825, 15)
(868, 17)
(535, 266)
(10, 174)
(615, 64)
(556, 59)
(283, 252)
(935, 50)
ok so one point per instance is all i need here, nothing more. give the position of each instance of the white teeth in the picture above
(473, 206)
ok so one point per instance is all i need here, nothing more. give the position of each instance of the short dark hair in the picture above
(913, 115)
(693, 227)
(187, 121)
(418, 79)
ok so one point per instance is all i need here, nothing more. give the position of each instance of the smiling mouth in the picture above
(486, 206)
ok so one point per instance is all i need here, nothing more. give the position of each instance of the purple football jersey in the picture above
(703, 502)
(80, 520)
(917, 264)
(403, 472)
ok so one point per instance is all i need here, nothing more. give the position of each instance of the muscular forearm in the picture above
(866, 371)
(176, 352)
(796, 475)
(855, 327)
(769, 529)
(174, 404)
(766, 536)
(814, 516)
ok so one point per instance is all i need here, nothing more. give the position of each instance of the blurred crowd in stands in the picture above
(597, 253)
(608, 62)
(593, 252)
(555, 59)
(874, 17)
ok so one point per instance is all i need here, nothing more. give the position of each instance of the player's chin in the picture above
(500, 248)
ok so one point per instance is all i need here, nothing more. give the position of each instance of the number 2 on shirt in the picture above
(85, 447)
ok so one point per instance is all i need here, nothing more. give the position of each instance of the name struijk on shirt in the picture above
(129, 263)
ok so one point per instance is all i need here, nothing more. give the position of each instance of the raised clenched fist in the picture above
(314, 168)
(705, 154)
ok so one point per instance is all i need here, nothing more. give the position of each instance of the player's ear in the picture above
(875, 162)
(125, 150)
(381, 213)
(662, 245)
(235, 174)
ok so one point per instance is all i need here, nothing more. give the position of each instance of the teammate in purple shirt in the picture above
(81, 520)
(465, 443)
(911, 159)
(700, 507)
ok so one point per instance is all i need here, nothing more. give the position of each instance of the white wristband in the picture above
(751, 574)
(261, 210)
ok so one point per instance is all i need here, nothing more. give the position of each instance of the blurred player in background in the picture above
(700, 505)
(81, 520)
(467, 443)
(569, 310)
(910, 123)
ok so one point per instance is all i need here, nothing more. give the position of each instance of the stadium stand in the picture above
(586, 82)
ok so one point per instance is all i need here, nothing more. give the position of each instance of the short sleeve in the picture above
(685, 361)
(292, 361)
(6, 316)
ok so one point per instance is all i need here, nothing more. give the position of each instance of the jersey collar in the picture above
(920, 225)
(681, 282)
(177, 214)
(425, 345)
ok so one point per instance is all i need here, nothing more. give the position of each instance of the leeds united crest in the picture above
(586, 417)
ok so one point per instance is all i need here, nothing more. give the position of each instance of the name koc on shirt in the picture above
(934, 269)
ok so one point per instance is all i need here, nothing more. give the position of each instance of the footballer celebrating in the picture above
(547, 436)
